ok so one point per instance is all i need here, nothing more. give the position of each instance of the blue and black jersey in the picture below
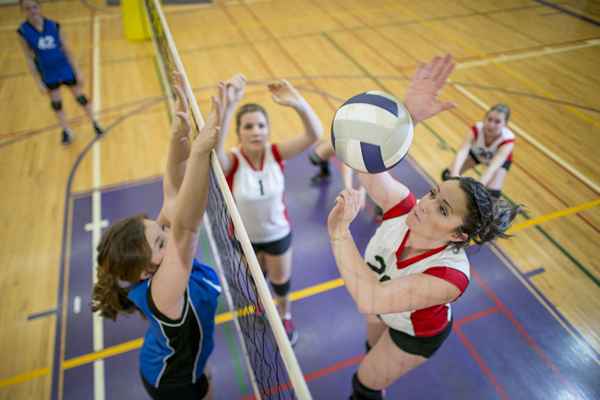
(50, 58)
(176, 351)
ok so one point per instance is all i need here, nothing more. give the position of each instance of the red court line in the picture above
(520, 329)
(480, 362)
(320, 373)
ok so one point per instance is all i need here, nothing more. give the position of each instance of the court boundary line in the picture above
(564, 10)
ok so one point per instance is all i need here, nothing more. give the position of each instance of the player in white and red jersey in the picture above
(491, 143)
(415, 264)
(254, 172)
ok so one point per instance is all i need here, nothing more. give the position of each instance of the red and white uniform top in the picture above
(485, 153)
(383, 255)
(259, 195)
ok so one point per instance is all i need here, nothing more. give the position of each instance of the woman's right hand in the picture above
(234, 89)
(207, 137)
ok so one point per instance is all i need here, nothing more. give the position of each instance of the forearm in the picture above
(192, 197)
(346, 176)
(311, 121)
(179, 152)
(220, 147)
(459, 161)
(360, 282)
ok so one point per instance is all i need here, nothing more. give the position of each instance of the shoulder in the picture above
(508, 134)
(402, 208)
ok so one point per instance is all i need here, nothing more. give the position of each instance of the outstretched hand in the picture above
(207, 137)
(234, 88)
(421, 96)
(347, 206)
(285, 94)
(181, 123)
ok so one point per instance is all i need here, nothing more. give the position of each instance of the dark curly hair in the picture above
(123, 254)
(487, 218)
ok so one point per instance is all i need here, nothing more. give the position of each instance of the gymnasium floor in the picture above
(528, 326)
(508, 341)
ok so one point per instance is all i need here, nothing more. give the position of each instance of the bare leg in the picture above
(280, 271)
(60, 114)
(385, 363)
(375, 328)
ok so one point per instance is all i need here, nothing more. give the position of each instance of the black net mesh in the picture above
(270, 373)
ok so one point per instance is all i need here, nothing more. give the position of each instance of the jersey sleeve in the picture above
(401, 208)
(277, 155)
(454, 276)
(474, 131)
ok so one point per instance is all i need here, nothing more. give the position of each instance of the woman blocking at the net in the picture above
(415, 264)
(148, 266)
(255, 174)
(491, 143)
(51, 64)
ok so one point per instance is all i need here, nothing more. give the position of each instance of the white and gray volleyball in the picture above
(371, 132)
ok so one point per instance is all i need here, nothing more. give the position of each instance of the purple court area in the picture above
(505, 343)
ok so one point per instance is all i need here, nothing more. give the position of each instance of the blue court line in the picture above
(534, 272)
(568, 12)
(41, 314)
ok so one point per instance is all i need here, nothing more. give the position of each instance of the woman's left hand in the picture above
(285, 94)
(347, 206)
(181, 126)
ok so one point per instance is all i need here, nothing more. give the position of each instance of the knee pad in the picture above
(361, 392)
(81, 99)
(282, 289)
(56, 105)
(496, 194)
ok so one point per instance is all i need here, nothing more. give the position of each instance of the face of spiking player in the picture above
(438, 214)
(494, 122)
(31, 9)
(157, 237)
(254, 131)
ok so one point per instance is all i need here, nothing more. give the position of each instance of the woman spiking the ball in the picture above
(415, 264)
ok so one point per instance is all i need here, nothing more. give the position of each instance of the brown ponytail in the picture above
(123, 254)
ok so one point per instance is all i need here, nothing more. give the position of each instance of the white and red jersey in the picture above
(383, 257)
(259, 195)
(483, 153)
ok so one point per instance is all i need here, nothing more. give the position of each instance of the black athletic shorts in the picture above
(186, 391)
(56, 85)
(276, 247)
(506, 164)
(424, 346)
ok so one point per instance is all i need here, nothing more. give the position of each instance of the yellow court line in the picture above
(558, 214)
(228, 316)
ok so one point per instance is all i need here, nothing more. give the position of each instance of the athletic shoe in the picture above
(67, 137)
(98, 129)
(290, 330)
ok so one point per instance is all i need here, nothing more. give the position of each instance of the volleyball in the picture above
(371, 132)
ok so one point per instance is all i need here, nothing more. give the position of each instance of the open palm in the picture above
(421, 96)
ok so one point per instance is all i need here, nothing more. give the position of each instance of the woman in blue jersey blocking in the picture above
(148, 266)
(51, 64)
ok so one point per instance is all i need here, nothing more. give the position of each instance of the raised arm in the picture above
(171, 279)
(233, 89)
(178, 153)
(285, 94)
(421, 102)
(371, 296)
(461, 155)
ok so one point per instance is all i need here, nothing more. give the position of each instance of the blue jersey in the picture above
(50, 58)
(175, 351)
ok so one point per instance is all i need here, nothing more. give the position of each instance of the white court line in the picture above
(533, 141)
(98, 332)
(530, 54)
